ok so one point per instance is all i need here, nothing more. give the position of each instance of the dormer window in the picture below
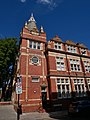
(83, 51)
(57, 46)
(71, 48)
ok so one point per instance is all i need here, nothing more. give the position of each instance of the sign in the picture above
(19, 85)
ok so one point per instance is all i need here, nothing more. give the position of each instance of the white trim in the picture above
(31, 34)
(60, 64)
(67, 87)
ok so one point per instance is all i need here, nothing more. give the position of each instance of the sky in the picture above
(69, 19)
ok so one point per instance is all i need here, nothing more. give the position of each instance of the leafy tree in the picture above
(8, 53)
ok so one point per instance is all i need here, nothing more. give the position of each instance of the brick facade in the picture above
(53, 72)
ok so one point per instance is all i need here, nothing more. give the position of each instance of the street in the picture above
(7, 113)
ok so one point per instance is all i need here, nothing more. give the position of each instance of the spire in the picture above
(32, 19)
(32, 24)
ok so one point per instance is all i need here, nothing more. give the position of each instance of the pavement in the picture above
(7, 113)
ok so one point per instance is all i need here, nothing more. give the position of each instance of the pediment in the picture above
(56, 39)
(70, 42)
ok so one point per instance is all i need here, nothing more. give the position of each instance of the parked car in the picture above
(79, 107)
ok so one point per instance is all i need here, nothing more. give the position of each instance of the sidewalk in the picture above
(7, 112)
(43, 116)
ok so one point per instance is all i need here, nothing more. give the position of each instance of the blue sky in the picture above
(69, 19)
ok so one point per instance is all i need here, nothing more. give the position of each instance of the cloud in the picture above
(44, 1)
(50, 3)
(23, 1)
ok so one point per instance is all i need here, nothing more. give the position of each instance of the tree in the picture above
(8, 53)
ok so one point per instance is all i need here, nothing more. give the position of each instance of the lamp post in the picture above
(18, 116)
(44, 95)
(18, 92)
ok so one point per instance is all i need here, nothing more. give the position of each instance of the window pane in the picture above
(58, 80)
(34, 46)
(35, 79)
(57, 45)
(66, 80)
(62, 80)
(59, 88)
(38, 45)
(30, 44)
(75, 81)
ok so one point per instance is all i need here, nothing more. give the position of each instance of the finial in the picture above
(41, 30)
(31, 18)
(31, 14)
(25, 24)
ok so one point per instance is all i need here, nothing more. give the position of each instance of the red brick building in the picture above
(53, 72)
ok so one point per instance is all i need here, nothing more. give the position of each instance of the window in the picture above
(58, 80)
(83, 51)
(60, 63)
(88, 81)
(62, 80)
(35, 60)
(31, 44)
(57, 46)
(63, 88)
(71, 49)
(79, 87)
(67, 81)
(35, 45)
(38, 45)
(87, 66)
(35, 79)
(74, 65)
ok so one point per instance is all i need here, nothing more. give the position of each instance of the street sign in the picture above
(19, 85)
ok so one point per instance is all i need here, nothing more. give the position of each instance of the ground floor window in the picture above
(79, 87)
(88, 82)
(63, 88)
(35, 79)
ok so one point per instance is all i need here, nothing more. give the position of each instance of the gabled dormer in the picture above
(55, 43)
(82, 49)
(71, 46)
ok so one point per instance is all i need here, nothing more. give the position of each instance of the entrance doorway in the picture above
(44, 100)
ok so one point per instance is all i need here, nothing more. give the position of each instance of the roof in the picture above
(57, 39)
(81, 45)
(70, 42)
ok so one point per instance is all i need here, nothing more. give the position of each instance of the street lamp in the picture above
(44, 94)
(18, 92)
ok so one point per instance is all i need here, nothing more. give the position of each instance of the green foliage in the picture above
(8, 53)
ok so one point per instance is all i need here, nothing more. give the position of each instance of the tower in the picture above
(32, 66)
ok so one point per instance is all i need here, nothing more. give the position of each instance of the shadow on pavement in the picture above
(63, 115)
(58, 115)
(83, 116)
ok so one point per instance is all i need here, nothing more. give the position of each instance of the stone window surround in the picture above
(63, 84)
(60, 63)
